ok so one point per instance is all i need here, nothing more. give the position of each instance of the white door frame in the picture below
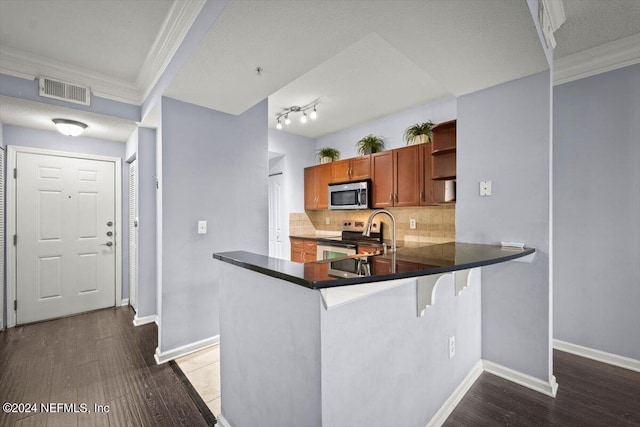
(12, 155)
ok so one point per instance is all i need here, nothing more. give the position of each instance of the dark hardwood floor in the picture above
(93, 358)
(590, 393)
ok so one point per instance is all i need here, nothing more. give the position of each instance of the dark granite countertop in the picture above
(313, 237)
(409, 262)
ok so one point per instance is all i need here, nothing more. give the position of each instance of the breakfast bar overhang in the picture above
(350, 342)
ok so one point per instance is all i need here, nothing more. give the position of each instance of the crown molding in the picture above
(174, 28)
(29, 66)
(600, 59)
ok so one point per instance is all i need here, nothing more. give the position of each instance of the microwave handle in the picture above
(362, 196)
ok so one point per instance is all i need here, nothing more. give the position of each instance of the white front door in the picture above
(275, 216)
(65, 228)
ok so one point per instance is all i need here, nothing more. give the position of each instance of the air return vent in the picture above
(56, 89)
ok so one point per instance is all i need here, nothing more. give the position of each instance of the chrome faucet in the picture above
(367, 227)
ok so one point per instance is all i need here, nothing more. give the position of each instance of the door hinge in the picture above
(15, 172)
(15, 305)
(15, 239)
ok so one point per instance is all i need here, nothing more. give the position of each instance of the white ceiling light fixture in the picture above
(69, 127)
(295, 109)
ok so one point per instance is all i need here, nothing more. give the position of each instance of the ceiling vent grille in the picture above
(56, 89)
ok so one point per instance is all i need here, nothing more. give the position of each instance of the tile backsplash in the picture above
(434, 224)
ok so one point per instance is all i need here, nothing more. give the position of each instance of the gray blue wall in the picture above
(390, 128)
(214, 168)
(597, 211)
(142, 146)
(15, 135)
(504, 136)
(299, 152)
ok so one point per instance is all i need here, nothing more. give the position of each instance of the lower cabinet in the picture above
(303, 250)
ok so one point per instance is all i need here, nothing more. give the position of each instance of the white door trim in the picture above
(12, 152)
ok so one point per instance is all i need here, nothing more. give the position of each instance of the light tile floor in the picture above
(203, 371)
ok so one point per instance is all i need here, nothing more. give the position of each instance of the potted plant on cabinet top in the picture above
(326, 155)
(370, 144)
(418, 133)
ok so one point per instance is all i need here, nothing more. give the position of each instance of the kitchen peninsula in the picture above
(322, 344)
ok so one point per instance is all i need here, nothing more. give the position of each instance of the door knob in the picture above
(107, 244)
(109, 224)
(109, 233)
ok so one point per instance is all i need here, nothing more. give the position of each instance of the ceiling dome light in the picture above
(303, 119)
(279, 125)
(69, 127)
(314, 113)
(287, 120)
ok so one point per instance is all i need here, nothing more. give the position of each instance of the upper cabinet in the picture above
(396, 177)
(354, 169)
(316, 186)
(443, 151)
(443, 160)
(416, 175)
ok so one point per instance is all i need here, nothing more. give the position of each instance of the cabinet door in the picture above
(309, 188)
(361, 168)
(382, 179)
(310, 251)
(340, 170)
(323, 178)
(426, 183)
(407, 176)
(297, 247)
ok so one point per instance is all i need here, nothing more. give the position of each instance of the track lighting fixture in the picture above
(295, 109)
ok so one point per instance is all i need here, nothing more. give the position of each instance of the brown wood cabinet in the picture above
(316, 186)
(426, 183)
(303, 250)
(354, 169)
(443, 158)
(382, 179)
(396, 179)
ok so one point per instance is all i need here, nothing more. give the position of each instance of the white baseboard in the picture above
(222, 421)
(600, 356)
(549, 388)
(139, 321)
(125, 301)
(450, 404)
(163, 357)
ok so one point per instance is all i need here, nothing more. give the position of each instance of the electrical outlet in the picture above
(202, 227)
(412, 223)
(327, 221)
(452, 346)
(485, 188)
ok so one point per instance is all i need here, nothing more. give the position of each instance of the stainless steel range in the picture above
(347, 243)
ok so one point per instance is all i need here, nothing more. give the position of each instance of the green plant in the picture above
(370, 144)
(413, 132)
(329, 153)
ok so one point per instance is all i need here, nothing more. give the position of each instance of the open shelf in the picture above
(443, 151)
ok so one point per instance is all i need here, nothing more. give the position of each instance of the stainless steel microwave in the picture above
(350, 195)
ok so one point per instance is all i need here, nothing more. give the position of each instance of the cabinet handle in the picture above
(391, 197)
(303, 256)
(396, 197)
(422, 195)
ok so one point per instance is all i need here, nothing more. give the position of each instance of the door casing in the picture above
(11, 258)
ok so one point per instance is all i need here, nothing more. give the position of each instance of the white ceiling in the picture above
(36, 115)
(359, 59)
(109, 37)
(594, 23)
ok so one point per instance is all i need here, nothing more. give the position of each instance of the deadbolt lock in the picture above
(109, 233)
(109, 224)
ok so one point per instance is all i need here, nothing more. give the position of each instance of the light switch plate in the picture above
(202, 227)
(485, 188)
